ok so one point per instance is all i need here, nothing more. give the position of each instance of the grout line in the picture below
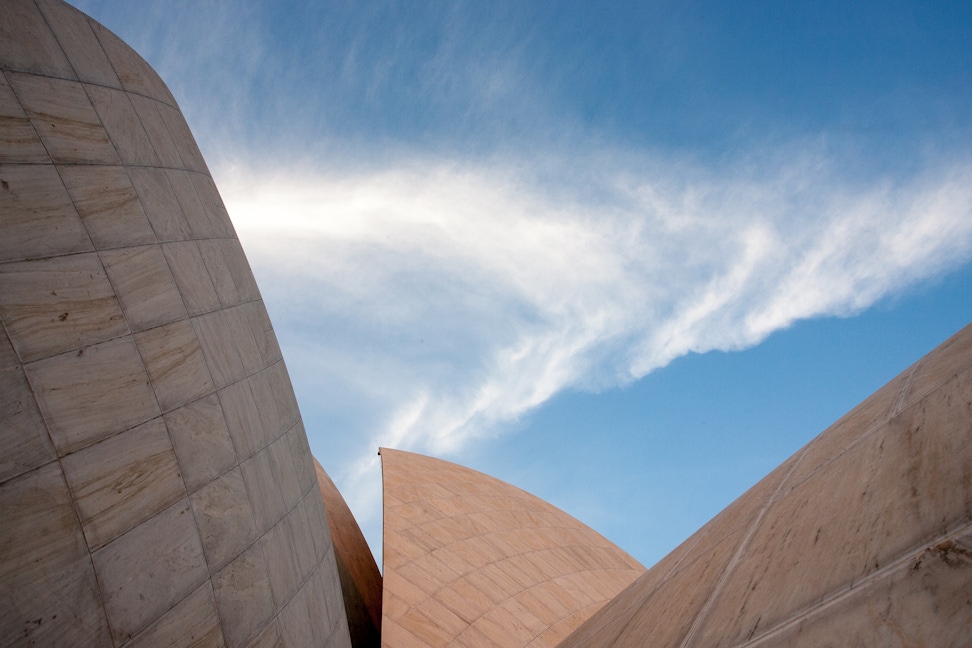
(740, 550)
(913, 554)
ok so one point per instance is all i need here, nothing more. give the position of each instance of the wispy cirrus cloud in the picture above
(438, 301)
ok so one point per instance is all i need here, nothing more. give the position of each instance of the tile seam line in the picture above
(77, 77)
(727, 571)
(512, 597)
(671, 573)
(912, 553)
(642, 569)
(901, 404)
(110, 248)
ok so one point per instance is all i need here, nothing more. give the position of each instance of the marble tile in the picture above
(193, 622)
(283, 566)
(134, 73)
(39, 219)
(201, 441)
(869, 415)
(239, 332)
(88, 395)
(303, 535)
(79, 43)
(145, 572)
(9, 104)
(239, 268)
(261, 484)
(269, 637)
(48, 592)
(243, 597)
(175, 364)
(224, 517)
(144, 285)
(192, 208)
(262, 331)
(284, 393)
(874, 502)
(24, 444)
(27, 43)
(284, 467)
(122, 481)
(303, 461)
(123, 126)
(220, 349)
(317, 523)
(65, 120)
(920, 603)
(160, 204)
(184, 142)
(266, 406)
(18, 140)
(219, 219)
(243, 418)
(211, 251)
(191, 276)
(108, 206)
(58, 304)
(148, 113)
(940, 365)
(296, 624)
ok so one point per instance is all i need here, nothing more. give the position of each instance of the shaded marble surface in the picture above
(155, 480)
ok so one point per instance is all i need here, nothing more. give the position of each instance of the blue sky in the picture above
(628, 256)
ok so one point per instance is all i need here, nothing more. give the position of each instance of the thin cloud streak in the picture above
(450, 299)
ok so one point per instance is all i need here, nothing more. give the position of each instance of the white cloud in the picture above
(443, 300)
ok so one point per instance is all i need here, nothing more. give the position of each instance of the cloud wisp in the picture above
(437, 302)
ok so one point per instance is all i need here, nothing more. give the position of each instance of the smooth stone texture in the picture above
(269, 637)
(192, 207)
(18, 140)
(160, 204)
(267, 501)
(106, 201)
(282, 461)
(191, 276)
(102, 352)
(201, 441)
(175, 364)
(149, 569)
(124, 480)
(79, 43)
(63, 116)
(243, 419)
(922, 603)
(243, 597)
(148, 113)
(123, 126)
(88, 395)
(229, 270)
(27, 43)
(214, 332)
(262, 331)
(144, 285)
(54, 305)
(192, 622)
(48, 592)
(38, 219)
(444, 524)
(224, 517)
(283, 566)
(24, 442)
(219, 219)
(183, 140)
(135, 74)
